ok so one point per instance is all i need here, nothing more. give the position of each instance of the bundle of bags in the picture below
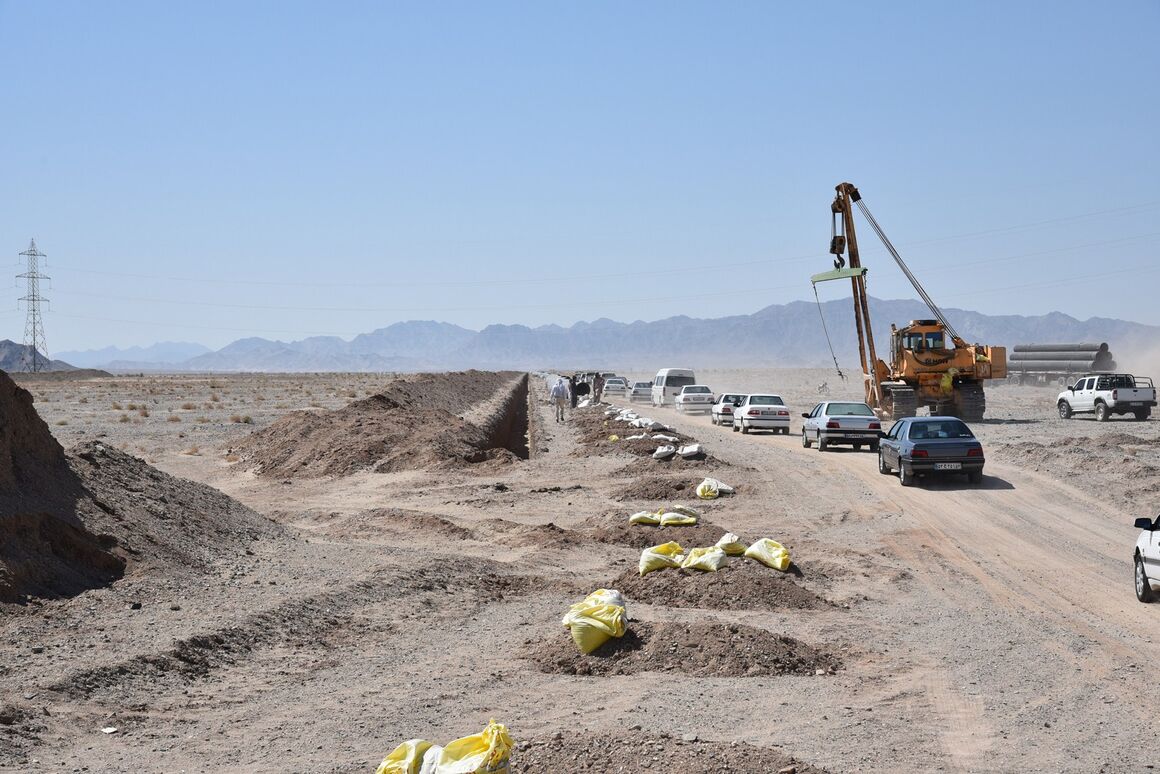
(669, 516)
(711, 488)
(488, 752)
(712, 558)
(597, 619)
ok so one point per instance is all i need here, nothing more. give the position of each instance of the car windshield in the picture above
(849, 410)
(730, 398)
(699, 388)
(615, 381)
(679, 381)
(642, 385)
(765, 400)
(944, 428)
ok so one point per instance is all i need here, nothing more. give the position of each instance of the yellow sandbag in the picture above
(594, 625)
(660, 557)
(488, 752)
(644, 517)
(770, 553)
(677, 520)
(407, 758)
(731, 544)
(598, 597)
(707, 489)
(708, 559)
(683, 509)
(614, 438)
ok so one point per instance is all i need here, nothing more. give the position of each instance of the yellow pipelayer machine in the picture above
(930, 364)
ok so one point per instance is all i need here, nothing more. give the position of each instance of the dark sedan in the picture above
(919, 446)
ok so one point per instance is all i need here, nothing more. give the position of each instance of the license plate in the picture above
(1136, 403)
(948, 466)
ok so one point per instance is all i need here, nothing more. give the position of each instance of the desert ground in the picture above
(318, 567)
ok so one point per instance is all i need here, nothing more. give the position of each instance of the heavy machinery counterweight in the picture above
(930, 364)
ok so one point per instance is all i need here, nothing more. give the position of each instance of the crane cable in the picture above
(830, 344)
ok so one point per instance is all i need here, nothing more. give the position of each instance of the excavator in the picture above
(930, 364)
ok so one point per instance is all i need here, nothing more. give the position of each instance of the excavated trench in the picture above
(507, 425)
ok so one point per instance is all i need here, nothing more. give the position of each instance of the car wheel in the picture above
(857, 447)
(905, 477)
(975, 477)
(1064, 410)
(822, 445)
(805, 440)
(1102, 412)
(883, 468)
(735, 428)
(744, 428)
(1144, 591)
(873, 447)
(1142, 415)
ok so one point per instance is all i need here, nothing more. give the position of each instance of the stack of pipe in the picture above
(1060, 359)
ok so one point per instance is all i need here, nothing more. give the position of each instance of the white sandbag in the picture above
(663, 437)
(637, 437)
(691, 450)
(664, 452)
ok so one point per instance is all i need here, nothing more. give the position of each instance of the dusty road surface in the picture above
(415, 589)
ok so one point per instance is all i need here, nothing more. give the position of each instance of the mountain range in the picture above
(789, 335)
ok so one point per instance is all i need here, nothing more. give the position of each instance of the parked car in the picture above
(722, 410)
(694, 397)
(761, 412)
(841, 422)
(921, 446)
(641, 392)
(615, 385)
(1106, 395)
(1147, 559)
(668, 382)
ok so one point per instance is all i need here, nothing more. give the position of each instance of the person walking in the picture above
(597, 388)
(572, 389)
(560, 396)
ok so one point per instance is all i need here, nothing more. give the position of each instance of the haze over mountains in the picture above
(787, 335)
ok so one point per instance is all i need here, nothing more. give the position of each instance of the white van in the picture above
(668, 383)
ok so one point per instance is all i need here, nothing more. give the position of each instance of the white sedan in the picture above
(1148, 559)
(841, 421)
(761, 412)
(694, 397)
(641, 392)
(722, 411)
(616, 385)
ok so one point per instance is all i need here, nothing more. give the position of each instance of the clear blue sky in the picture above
(207, 171)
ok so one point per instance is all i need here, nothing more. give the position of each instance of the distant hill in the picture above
(16, 357)
(789, 335)
(165, 352)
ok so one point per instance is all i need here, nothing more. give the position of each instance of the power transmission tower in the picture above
(33, 327)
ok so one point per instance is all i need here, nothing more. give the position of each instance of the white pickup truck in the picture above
(1108, 394)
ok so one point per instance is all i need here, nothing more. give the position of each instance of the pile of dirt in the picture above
(743, 584)
(517, 535)
(617, 530)
(658, 487)
(71, 522)
(45, 549)
(631, 750)
(695, 649)
(413, 424)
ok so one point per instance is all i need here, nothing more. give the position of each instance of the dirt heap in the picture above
(696, 649)
(413, 424)
(628, 750)
(71, 522)
(616, 529)
(743, 584)
(45, 549)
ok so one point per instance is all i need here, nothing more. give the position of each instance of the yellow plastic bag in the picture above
(770, 553)
(731, 544)
(614, 438)
(708, 559)
(488, 752)
(644, 517)
(407, 758)
(592, 625)
(662, 556)
(711, 488)
(677, 520)
(598, 597)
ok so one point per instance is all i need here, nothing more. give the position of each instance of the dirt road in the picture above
(945, 627)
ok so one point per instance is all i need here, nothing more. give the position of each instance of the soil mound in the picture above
(625, 750)
(412, 424)
(517, 535)
(696, 649)
(743, 584)
(45, 550)
(656, 487)
(619, 531)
